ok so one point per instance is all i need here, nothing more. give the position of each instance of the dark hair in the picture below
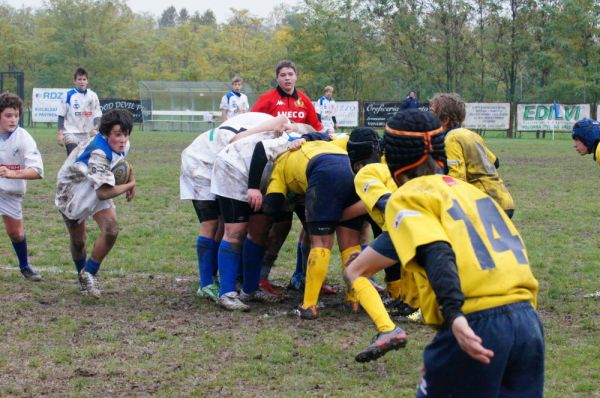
(451, 106)
(80, 71)
(114, 117)
(10, 100)
(285, 64)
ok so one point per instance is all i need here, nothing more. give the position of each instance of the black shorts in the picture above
(206, 210)
(234, 211)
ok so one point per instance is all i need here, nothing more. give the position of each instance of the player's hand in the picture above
(469, 342)
(296, 144)
(60, 138)
(130, 194)
(255, 199)
(5, 172)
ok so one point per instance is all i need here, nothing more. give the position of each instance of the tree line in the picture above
(486, 50)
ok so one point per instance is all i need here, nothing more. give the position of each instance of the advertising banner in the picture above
(490, 116)
(346, 113)
(532, 117)
(376, 113)
(44, 103)
(133, 106)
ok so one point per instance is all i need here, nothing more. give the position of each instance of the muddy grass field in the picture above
(150, 336)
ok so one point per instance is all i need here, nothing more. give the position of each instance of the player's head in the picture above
(286, 76)
(412, 94)
(328, 91)
(587, 132)
(81, 78)
(449, 108)
(414, 144)
(116, 125)
(11, 107)
(236, 83)
(363, 147)
(285, 64)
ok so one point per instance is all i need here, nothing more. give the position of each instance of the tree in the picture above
(168, 18)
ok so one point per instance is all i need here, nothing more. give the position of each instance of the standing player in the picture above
(234, 102)
(20, 160)
(326, 111)
(586, 136)
(469, 159)
(86, 186)
(78, 114)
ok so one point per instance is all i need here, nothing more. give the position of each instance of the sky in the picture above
(259, 8)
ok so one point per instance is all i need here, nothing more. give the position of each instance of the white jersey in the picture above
(326, 108)
(18, 151)
(234, 103)
(79, 111)
(197, 159)
(232, 165)
(86, 169)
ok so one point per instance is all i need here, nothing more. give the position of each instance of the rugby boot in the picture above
(31, 274)
(382, 343)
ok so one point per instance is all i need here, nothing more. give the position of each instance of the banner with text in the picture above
(531, 117)
(346, 113)
(490, 116)
(376, 113)
(44, 103)
(133, 106)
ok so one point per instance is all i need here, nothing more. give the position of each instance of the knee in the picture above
(78, 243)
(110, 229)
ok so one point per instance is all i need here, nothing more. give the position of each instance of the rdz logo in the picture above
(52, 95)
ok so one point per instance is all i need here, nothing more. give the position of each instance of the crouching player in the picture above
(472, 273)
(86, 186)
(586, 136)
(20, 160)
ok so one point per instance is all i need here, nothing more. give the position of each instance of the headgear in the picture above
(587, 131)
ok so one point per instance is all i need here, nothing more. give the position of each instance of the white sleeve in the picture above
(62, 108)
(319, 108)
(96, 105)
(276, 146)
(32, 158)
(244, 104)
(224, 104)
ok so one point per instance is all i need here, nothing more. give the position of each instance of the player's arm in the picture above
(277, 124)
(311, 116)
(24, 174)
(60, 133)
(439, 261)
(108, 192)
(457, 167)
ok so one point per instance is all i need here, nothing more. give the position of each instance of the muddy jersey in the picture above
(296, 107)
(18, 151)
(490, 255)
(372, 182)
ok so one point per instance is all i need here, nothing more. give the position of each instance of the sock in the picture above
(79, 264)
(394, 288)
(215, 261)
(371, 302)
(21, 250)
(305, 254)
(350, 296)
(267, 263)
(91, 266)
(229, 262)
(299, 257)
(318, 262)
(252, 258)
(205, 250)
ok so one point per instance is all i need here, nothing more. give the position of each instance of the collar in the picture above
(81, 92)
(284, 94)
(236, 94)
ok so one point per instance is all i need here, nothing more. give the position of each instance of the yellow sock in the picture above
(318, 262)
(369, 299)
(394, 288)
(350, 296)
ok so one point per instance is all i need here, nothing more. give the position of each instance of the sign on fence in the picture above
(133, 106)
(487, 116)
(531, 117)
(346, 113)
(44, 103)
(376, 113)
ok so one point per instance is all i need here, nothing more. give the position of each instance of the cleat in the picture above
(232, 302)
(398, 308)
(383, 343)
(297, 282)
(259, 296)
(210, 292)
(266, 286)
(328, 289)
(88, 281)
(31, 274)
(416, 317)
(309, 313)
(82, 289)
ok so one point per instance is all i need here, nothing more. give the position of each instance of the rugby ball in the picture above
(121, 171)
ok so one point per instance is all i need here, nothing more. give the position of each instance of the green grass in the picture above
(149, 335)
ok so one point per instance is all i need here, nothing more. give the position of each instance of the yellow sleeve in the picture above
(597, 154)
(342, 142)
(277, 181)
(457, 167)
(371, 183)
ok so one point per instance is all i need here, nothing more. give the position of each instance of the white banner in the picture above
(45, 102)
(532, 117)
(346, 113)
(490, 116)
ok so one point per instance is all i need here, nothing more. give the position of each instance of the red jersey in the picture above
(296, 107)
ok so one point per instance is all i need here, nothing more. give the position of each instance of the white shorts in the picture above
(101, 205)
(195, 188)
(11, 205)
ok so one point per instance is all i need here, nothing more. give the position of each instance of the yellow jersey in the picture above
(470, 160)
(490, 255)
(597, 155)
(372, 182)
(289, 170)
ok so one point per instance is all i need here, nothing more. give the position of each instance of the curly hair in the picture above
(10, 100)
(451, 106)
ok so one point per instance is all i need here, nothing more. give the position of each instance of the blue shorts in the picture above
(384, 246)
(330, 188)
(515, 334)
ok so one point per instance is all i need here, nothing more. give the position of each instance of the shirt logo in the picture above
(299, 103)
(15, 151)
(75, 105)
(368, 184)
(449, 180)
(280, 103)
(402, 214)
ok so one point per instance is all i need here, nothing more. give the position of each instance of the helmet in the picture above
(587, 131)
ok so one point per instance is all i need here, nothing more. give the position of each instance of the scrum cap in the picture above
(587, 131)
(411, 136)
(364, 143)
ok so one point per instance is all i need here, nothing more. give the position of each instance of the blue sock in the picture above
(229, 263)
(215, 253)
(21, 250)
(79, 264)
(252, 260)
(206, 250)
(299, 268)
(91, 266)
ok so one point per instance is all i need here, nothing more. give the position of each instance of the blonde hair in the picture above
(237, 79)
(328, 88)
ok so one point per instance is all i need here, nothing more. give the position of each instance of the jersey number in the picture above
(492, 221)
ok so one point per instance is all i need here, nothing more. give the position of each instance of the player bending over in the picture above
(586, 135)
(20, 160)
(85, 188)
